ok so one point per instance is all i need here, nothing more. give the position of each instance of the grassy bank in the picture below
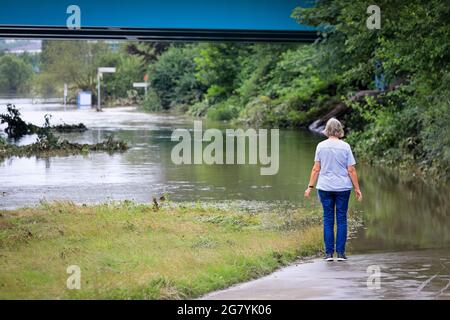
(131, 251)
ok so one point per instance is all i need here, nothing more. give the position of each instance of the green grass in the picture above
(130, 251)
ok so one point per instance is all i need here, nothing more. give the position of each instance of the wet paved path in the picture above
(403, 275)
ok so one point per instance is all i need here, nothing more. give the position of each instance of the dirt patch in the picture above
(5, 224)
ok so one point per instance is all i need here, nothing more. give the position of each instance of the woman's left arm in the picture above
(313, 177)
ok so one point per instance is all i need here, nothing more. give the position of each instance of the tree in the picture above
(70, 62)
(32, 59)
(409, 123)
(129, 69)
(149, 51)
(218, 66)
(412, 39)
(15, 74)
(173, 77)
(76, 63)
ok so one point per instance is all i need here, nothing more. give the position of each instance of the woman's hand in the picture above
(307, 192)
(358, 194)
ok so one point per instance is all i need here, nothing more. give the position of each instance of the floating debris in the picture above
(47, 143)
(45, 148)
(66, 128)
(17, 127)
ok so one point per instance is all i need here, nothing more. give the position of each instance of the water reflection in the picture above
(401, 213)
(402, 275)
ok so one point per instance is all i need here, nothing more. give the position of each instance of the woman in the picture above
(334, 164)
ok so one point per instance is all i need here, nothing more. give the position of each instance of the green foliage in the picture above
(291, 85)
(238, 81)
(289, 92)
(129, 69)
(45, 85)
(256, 66)
(16, 127)
(189, 250)
(347, 45)
(3, 142)
(76, 63)
(15, 74)
(405, 131)
(71, 62)
(298, 93)
(296, 74)
(409, 126)
(152, 102)
(257, 111)
(435, 135)
(45, 134)
(33, 59)
(172, 77)
(47, 143)
(223, 111)
(217, 67)
(199, 109)
(147, 51)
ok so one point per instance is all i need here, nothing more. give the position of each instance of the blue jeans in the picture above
(332, 200)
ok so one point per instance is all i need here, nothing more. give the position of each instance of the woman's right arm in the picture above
(354, 177)
(313, 178)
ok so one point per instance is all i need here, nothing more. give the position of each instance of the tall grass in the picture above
(132, 251)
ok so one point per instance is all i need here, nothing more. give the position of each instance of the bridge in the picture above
(155, 20)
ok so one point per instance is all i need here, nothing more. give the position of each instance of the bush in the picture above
(129, 69)
(257, 112)
(217, 67)
(199, 109)
(3, 142)
(173, 77)
(296, 74)
(152, 102)
(404, 131)
(435, 136)
(44, 85)
(15, 74)
(223, 112)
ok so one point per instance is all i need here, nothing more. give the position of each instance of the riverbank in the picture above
(132, 251)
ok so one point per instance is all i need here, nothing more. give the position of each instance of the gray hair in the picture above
(334, 128)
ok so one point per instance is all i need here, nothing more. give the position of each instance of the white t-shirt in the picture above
(335, 157)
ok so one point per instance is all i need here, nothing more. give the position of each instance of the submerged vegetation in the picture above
(80, 127)
(47, 143)
(133, 251)
(17, 127)
(47, 147)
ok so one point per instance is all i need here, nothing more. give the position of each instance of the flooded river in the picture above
(400, 216)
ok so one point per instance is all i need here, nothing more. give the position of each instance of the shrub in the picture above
(152, 102)
(130, 69)
(257, 111)
(223, 112)
(15, 74)
(199, 109)
(173, 77)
